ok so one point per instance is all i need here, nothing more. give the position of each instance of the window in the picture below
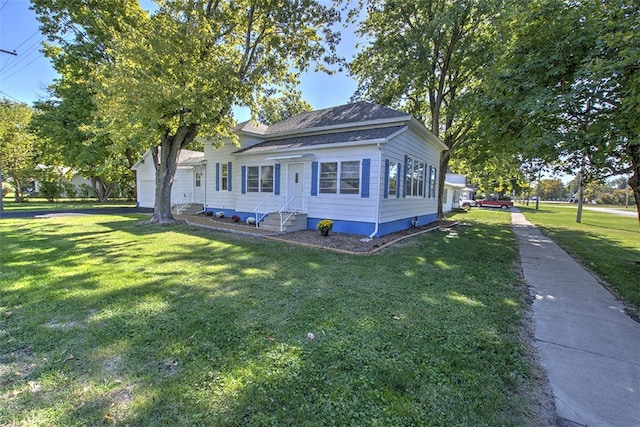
(393, 178)
(329, 178)
(198, 179)
(414, 178)
(432, 182)
(260, 179)
(224, 177)
(340, 177)
(266, 179)
(350, 177)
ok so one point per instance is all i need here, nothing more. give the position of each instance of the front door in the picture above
(294, 184)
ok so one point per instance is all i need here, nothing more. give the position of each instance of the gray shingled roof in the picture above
(343, 114)
(326, 138)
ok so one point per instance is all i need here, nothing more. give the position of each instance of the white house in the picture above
(372, 170)
(189, 182)
(455, 189)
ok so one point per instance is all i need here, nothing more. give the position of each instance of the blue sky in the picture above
(25, 77)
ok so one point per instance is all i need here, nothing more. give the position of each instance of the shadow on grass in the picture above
(124, 323)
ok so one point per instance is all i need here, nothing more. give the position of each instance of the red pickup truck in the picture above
(493, 202)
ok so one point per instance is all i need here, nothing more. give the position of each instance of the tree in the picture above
(176, 73)
(567, 83)
(71, 131)
(552, 189)
(424, 57)
(17, 154)
(277, 109)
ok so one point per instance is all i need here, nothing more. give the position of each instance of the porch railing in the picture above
(292, 207)
(264, 208)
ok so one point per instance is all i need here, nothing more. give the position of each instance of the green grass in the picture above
(606, 243)
(106, 320)
(39, 204)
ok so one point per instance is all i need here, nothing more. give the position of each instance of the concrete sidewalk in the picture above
(589, 347)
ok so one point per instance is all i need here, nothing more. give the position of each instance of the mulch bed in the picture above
(337, 242)
(355, 243)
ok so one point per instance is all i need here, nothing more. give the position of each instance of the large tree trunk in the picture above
(166, 163)
(442, 174)
(634, 180)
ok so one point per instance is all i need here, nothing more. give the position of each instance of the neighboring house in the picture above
(455, 189)
(370, 169)
(66, 175)
(189, 182)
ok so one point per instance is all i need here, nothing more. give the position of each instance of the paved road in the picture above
(98, 211)
(588, 346)
(621, 212)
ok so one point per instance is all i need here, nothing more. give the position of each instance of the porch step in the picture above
(295, 223)
(190, 209)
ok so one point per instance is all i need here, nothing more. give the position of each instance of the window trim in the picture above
(338, 180)
(261, 183)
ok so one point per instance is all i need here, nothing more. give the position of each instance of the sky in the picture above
(26, 76)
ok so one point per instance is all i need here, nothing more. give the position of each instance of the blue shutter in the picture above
(244, 180)
(314, 178)
(366, 174)
(386, 178)
(276, 180)
(435, 182)
(404, 178)
(398, 186)
(430, 181)
(229, 180)
(217, 176)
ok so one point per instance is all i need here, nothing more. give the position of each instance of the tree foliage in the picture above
(71, 131)
(425, 57)
(165, 77)
(566, 87)
(276, 109)
(17, 146)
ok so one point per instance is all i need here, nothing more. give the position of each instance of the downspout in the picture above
(204, 202)
(375, 230)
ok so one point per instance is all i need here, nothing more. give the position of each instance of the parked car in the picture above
(494, 202)
(466, 204)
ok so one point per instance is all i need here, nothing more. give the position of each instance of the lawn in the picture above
(607, 244)
(106, 320)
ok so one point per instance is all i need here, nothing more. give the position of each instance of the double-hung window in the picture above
(224, 177)
(393, 178)
(414, 178)
(260, 179)
(339, 177)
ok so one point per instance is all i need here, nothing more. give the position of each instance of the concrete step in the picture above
(190, 209)
(295, 223)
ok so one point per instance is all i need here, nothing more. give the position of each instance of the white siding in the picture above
(182, 188)
(346, 207)
(221, 199)
(394, 208)
(146, 183)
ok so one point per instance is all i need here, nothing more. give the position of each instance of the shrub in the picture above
(235, 218)
(325, 225)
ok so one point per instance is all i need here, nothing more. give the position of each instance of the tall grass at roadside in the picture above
(606, 243)
(105, 320)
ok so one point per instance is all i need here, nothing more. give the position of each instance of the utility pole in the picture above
(580, 195)
(14, 53)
